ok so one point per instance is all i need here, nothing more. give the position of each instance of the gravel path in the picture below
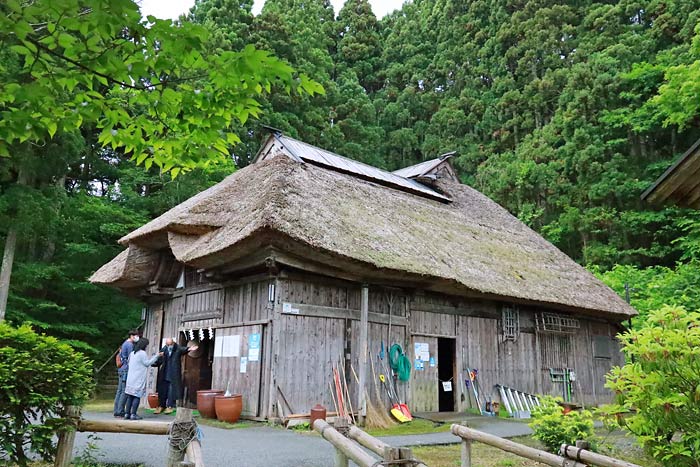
(259, 446)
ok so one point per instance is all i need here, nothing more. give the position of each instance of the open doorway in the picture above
(197, 369)
(446, 372)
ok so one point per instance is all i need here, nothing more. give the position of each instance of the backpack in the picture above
(119, 358)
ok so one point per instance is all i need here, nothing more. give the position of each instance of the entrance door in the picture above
(197, 369)
(446, 372)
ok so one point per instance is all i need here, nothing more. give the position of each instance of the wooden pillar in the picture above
(466, 453)
(364, 325)
(276, 327)
(66, 439)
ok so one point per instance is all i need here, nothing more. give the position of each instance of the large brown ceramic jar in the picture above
(228, 408)
(205, 402)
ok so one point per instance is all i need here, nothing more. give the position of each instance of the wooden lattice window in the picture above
(552, 322)
(556, 351)
(510, 320)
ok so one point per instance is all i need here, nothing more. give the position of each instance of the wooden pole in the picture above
(124, 426)
(515, 448)
(364, 325)
(348, 448)
(66, 439)
(175, 455)
(466, 453)
(572, 452)
(194, 453)
(370, 442)
(341, 460)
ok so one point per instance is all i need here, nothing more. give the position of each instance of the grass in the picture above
(617, 445)
(415, 427)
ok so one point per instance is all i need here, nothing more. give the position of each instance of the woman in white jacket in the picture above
(139, 362)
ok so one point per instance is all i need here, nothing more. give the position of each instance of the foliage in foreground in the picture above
(658, 391)
(553, 427)
(38, 377)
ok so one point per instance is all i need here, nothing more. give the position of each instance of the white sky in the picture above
(173, 8)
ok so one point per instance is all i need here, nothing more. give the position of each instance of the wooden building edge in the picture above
(277, 292)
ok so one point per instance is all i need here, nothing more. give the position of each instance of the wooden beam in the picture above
(317, 311)
(124, 426)
(344, 445)
(521, 450)
(572, 452)
(362, 367)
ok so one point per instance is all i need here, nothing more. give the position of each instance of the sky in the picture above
(173, 8)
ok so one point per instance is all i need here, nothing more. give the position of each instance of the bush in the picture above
(38, 377)
(658, 390)
(553, 427)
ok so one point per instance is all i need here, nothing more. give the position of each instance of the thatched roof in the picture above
(680, 184)
(470, 245)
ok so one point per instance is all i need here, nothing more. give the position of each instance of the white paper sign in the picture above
(422, 351)
(219, 346)
(289, 309)
(231, 346)
(447, 386)
(244, 364)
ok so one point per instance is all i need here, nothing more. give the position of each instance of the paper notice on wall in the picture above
(244, 364)
(254, 347)
(289, 309)
(162, 342)
(447, 386)
(219, 346)
(232, 346)
(422, 351)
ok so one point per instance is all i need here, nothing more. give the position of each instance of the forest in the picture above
(563, 112)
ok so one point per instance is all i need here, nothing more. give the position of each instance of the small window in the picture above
(511, 323)
(555, 323)
(602, 347)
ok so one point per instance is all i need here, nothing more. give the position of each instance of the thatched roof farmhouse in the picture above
(317, 231)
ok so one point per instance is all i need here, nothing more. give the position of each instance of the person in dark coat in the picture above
(169, 385)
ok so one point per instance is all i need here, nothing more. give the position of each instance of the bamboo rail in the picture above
(573, 452)
(468, 435)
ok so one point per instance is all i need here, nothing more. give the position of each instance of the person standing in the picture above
(135, 388)
(170, 375)
(122, 370)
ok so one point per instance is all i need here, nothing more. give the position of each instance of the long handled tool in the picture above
(393, 396)
(395, 410)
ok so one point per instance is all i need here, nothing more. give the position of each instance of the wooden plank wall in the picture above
(227, 370)
(311, 342)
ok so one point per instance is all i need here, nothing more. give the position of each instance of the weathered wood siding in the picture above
(313, 324)
(227, 370)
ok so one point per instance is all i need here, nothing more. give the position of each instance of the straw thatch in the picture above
(470, 246)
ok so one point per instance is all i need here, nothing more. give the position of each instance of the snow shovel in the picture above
(395, 409)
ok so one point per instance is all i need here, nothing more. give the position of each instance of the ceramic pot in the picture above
(153, 400)
(205, 402)
(228, 408)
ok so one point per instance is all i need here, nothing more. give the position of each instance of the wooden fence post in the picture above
(176, 453)
(466, 453)
(66, 439)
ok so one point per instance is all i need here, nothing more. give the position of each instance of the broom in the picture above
(377, 417)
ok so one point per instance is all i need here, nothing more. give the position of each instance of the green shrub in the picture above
(38, 377)
(658, 390)
(553, 427)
